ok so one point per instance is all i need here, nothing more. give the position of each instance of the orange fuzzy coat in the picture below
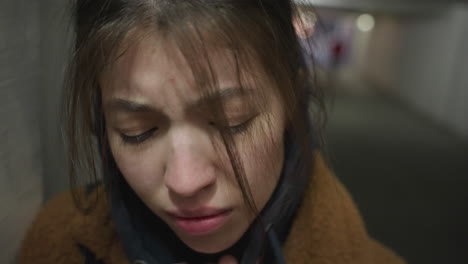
(327, 230)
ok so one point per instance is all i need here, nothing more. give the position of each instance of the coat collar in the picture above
(328, 227)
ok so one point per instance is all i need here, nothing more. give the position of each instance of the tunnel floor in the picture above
(408, 176)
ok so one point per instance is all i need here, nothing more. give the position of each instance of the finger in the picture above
(228, 260)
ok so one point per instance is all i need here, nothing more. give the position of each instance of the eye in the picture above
(137, 139)
(240, 128)
(235, 128)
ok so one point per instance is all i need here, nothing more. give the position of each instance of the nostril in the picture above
(188, 189)
(189, 181)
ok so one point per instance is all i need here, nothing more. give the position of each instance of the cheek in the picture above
(142, 169)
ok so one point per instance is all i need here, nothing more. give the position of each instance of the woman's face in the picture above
(164, 140)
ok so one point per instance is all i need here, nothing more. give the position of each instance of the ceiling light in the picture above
(365, 22)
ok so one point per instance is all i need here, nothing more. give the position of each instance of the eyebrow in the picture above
(222, 95)
(124, 105)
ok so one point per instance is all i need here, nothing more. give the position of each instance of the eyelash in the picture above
(138, 139)
(240, 128)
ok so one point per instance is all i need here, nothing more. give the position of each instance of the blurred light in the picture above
(365, 22)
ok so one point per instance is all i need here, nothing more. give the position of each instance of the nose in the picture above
(190, 166)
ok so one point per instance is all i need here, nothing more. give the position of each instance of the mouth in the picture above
(201, 221)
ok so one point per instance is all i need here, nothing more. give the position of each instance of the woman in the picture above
(197, 114)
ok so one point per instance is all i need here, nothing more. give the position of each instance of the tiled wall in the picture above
(21, 107)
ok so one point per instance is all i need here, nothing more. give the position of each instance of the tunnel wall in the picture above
(21, 109)
(423, 61)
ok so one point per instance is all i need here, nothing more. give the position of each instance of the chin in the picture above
(211, 244)
(208, 249)
(215, 242)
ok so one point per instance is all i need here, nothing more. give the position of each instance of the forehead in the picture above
(154, 67)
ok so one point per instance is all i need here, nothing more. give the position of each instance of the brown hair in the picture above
(256, 31)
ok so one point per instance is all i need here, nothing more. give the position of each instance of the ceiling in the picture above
(392, 6)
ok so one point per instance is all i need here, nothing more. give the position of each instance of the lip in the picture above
(201, 221)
